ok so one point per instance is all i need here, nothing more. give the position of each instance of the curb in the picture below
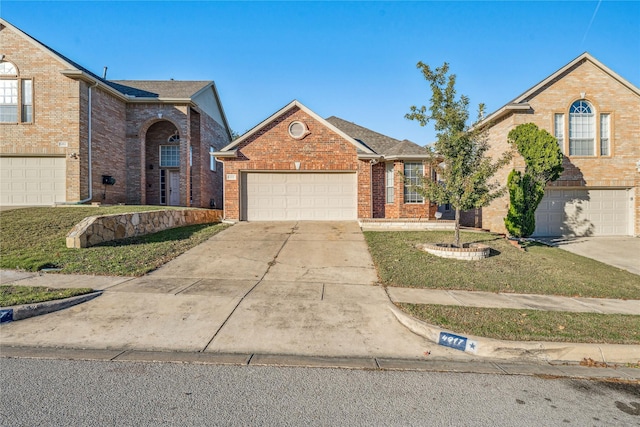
(370, 363)
(534, 351)
(19, 312)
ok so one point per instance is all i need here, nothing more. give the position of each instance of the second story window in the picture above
(16, 95)
(582, 129)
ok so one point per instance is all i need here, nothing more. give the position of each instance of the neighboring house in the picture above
(297, 166)
(70, 136)
(595, 115)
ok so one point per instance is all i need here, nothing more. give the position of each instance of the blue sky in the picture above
(354, 60)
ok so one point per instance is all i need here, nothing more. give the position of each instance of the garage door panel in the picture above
(32, 180)
(299, 196)
(581, 212)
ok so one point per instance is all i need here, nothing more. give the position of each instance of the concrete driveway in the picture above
(303, 288)
(621, 252)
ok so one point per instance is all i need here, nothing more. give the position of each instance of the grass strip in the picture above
(35, 238)
(540, 270)
(530, 325)
(16, 295)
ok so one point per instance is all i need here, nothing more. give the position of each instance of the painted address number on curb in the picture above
(457, 342)
(6, 315)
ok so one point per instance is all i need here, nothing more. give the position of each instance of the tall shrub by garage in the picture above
(543, 160)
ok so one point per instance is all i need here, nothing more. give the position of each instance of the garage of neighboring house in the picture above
(277, 196)
(584, 212)
(32, 181)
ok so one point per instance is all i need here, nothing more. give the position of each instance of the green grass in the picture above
(540, 270)
(530, 325)
(34, 238)
(16, 295)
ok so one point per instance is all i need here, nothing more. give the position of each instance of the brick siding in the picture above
(607, 95)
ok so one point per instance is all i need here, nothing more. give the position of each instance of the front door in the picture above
(174, 188)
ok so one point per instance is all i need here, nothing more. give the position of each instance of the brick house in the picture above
(70, 136)
(296, 165)
(595, 115)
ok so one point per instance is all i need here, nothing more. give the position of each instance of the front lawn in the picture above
(540, 270)
(35, 238)
(16, 295)
(530, 325)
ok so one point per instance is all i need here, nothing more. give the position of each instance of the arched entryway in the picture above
(163, 158)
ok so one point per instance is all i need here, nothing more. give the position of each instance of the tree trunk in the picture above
(456, 234)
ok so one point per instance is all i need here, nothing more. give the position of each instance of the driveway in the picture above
(621, 252)
(303, 288)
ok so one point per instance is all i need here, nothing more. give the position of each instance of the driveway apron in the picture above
(304, 288)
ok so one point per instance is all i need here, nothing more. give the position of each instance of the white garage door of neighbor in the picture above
(299, 196)
(584, 213)
(28, 181)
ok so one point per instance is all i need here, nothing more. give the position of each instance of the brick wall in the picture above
(108, 147)
(607, 95)
(273, 149)
(55, 130)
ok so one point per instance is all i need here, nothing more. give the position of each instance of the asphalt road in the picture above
(78, 393)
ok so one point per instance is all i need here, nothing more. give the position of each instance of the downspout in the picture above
(90, 137)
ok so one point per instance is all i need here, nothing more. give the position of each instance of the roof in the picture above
(159, 88)
(379, 143)
(131, 90)
(520, 102)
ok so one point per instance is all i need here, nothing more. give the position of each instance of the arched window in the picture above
(582, 129)
(15, 95)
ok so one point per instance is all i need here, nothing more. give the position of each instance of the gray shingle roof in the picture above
(159, 88)
(381, 144)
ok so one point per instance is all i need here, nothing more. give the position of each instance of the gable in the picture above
(274, 144)
(585, 73)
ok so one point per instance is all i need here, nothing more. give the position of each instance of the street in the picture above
(77, 393)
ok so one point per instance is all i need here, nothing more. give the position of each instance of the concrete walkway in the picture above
(517, 301)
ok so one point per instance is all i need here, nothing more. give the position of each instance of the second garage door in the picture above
(582, 212)
(32, 180)
(299, 196)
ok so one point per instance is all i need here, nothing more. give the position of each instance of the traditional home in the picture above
(70, 136)
(595, 115)
(296, 165)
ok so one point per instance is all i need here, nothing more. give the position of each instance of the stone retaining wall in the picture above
(94, 230)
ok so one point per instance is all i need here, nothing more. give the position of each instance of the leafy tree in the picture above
(543, 160)
(459, 151)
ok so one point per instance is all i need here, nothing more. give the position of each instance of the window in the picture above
(212, 160)
(413, 172)
(604, 135)
(27, 101)
(16, 96)
(163, 187)
(389, 178)
(9, 101)
(169, 156)
(558, 130)
(174, 138)
(581, 129)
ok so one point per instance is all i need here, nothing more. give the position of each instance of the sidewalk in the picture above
(516, 301)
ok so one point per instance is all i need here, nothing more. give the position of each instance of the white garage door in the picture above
(299, 196)
(584, 213)
(32, 180)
